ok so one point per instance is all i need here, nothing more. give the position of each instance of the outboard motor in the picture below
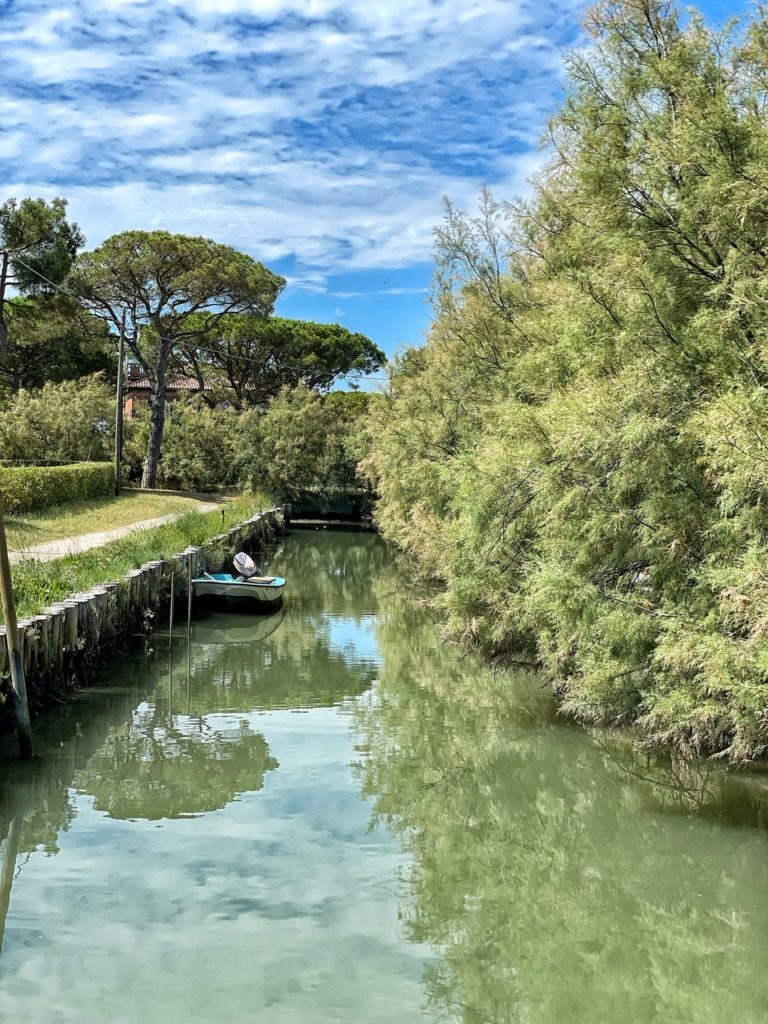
(246, 566)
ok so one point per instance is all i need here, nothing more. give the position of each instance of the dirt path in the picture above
(54, 549)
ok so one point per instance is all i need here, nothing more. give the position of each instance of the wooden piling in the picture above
(18, 679)
(70, 625)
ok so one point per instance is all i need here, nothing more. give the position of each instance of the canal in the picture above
(327, 815)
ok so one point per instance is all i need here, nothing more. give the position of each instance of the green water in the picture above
(328, 816)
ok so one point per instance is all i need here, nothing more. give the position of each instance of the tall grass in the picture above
(37, 584)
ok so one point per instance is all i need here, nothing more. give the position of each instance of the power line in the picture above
(210, 351)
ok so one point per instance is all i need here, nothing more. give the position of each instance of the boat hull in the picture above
(266, 596)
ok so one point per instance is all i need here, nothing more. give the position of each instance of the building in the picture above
(137, 389)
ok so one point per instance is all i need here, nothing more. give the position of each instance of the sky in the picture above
(320, 136)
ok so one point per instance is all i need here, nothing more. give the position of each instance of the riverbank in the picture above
(75, 609)
(578, 452)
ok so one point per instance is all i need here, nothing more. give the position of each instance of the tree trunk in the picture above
(156, 421)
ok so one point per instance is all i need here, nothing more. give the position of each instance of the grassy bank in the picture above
(37, 584)
(64, 521)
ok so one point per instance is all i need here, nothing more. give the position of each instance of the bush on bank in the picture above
(300, 441)
(66, 421)
(35, 488)
(579, 455)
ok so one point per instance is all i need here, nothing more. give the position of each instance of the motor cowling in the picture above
(245, 565)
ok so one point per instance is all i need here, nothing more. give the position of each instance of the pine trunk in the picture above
(156, 422)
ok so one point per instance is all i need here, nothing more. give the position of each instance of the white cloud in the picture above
(323, 132)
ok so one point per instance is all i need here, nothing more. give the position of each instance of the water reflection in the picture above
(186, 825)
(561, 876)
(149, 748)
(211, 839)
(152, 769)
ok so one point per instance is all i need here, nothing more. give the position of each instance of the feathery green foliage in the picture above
(300, 441)
(303, 441)
(579, 454)
(70, 421)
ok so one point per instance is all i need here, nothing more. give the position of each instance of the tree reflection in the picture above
(298, 669)
(149, 770)
(560, 876)
(168, 759)
(334, 576)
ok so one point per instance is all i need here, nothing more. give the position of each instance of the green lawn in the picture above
(96, 514)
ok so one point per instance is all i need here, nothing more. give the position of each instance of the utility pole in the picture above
(14, 651)
(119, 409)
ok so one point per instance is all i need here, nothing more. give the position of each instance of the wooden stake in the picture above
(189, 673)
(189, 592)
(18, 681)
(170, 616)
(170, 689)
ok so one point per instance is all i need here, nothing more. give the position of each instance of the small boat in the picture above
(250, 588)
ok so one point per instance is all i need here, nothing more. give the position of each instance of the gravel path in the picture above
(54, 549)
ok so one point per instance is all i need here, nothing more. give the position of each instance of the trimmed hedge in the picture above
(35, 488)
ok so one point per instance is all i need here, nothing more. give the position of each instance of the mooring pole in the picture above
(8, 870)
(189, 592)
(18, 681)
(170, 615)
(189, 674)
(119, 409)
(170, 689)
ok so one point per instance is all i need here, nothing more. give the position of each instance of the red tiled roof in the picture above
(172, 384)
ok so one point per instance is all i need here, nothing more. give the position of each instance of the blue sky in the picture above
(318, 135)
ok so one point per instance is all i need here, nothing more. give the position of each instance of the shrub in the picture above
(67, 422)
(579, 453)
(302, 442)
(198, 447)
(33, 488)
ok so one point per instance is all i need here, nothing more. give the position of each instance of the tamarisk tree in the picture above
(579, 453)
(172, 290)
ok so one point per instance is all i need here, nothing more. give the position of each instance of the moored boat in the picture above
(248, 589)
